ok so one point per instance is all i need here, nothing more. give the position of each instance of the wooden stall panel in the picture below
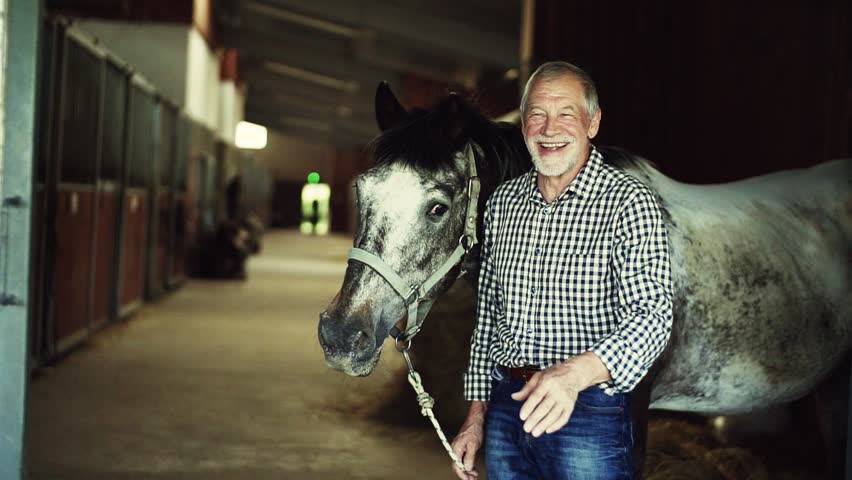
(104, 255)
(133, 250)
(73, 268)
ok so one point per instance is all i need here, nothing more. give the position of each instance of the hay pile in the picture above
(686, 451)
(680, 449)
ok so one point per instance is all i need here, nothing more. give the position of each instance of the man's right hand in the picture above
(469, 440)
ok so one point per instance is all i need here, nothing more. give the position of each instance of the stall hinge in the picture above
(15, 202)
(7, 300)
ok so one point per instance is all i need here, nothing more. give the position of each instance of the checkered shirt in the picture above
(588, 272)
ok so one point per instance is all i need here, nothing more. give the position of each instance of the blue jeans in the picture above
(596, 444)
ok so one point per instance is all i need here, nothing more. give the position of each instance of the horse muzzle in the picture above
(347, 348)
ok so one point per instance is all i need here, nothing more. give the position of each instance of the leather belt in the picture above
(524, 373)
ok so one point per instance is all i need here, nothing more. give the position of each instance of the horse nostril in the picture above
(337, 339)
(362, 341)
(325, 336)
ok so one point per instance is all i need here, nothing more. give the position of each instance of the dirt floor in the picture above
(226, 380)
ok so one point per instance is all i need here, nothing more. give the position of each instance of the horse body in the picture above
(761, 268)
(761, 272)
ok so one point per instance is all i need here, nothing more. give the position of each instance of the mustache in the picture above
(555, 139)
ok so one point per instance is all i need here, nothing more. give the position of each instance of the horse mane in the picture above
(427, 139)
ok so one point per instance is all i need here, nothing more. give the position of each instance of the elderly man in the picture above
(574, 300)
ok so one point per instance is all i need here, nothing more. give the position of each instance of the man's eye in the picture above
(437, 210)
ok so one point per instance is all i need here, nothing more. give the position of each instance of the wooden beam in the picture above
(325, 58)
(420, 26)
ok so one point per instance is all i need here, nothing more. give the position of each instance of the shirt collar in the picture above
(586, 184)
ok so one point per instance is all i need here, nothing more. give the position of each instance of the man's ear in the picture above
(595, 124)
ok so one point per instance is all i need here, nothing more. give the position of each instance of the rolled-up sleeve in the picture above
(477, 380)
(641, 260)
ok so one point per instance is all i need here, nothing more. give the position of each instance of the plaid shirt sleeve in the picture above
(644, 311)
(477, 380)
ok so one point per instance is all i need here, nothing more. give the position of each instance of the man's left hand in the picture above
(551, 394)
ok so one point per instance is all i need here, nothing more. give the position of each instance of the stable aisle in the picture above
(225, 380)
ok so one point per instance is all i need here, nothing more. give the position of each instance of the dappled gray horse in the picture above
(761, 267)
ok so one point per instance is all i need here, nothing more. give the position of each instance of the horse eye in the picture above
(438, 210)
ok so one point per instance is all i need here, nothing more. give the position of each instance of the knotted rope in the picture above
(426, 404)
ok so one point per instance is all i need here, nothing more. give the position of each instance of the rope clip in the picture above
(402, 345)
(407, 357)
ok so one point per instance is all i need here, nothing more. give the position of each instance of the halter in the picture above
(415, 296)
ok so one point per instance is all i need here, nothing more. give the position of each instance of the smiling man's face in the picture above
(557, 127)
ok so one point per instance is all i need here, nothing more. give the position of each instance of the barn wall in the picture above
(712, 91)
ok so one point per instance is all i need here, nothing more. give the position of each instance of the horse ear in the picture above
(453, 118)
(389, 112)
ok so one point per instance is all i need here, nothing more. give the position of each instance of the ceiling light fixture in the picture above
(250, 135)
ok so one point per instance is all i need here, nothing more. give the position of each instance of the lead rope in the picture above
(426, 404)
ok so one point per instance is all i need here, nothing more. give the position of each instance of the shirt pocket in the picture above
(584, 285)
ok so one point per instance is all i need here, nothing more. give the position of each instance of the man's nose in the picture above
(550, 127)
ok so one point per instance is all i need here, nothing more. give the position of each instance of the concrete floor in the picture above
(225, 380)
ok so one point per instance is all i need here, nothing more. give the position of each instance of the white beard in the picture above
(552, 169)
(557, 165)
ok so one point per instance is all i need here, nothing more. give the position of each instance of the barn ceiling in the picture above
(312, 66)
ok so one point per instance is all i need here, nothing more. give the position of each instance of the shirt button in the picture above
(532, 290)
(529, 330)
(545, 210)
(537, 251)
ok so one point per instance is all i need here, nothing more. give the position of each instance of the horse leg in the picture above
(640, 400)
(832, 404)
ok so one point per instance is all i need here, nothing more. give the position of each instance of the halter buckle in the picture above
(470, 182)
(412, 296)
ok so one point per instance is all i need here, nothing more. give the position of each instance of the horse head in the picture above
(413, 204)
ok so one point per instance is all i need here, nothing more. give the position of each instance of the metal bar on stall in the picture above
(124, 178)
(52, 182)
(22, 26)
(46, 144)
(96, 198)
(114, 301)
(153, 185)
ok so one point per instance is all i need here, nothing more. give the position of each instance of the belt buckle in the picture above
(529, 372)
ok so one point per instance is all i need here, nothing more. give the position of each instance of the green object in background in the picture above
(313, 177)
(315, 211)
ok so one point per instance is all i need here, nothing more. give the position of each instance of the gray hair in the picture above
(554, 70)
